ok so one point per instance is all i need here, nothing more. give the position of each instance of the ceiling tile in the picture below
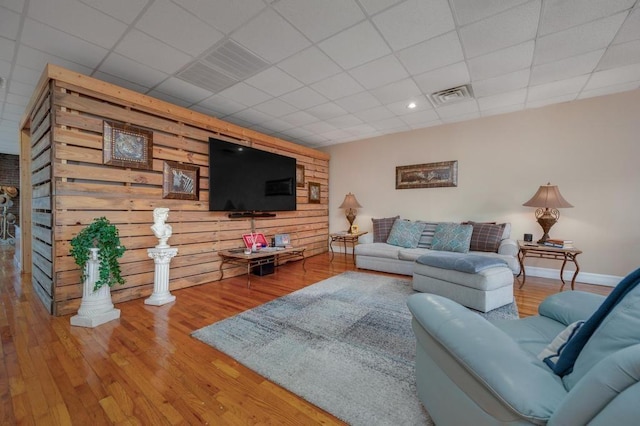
(630, 28)
(37, 60)
(245, 94)
(304, 98)
(320, 19)
(358, 102)
(310, 65)
(225, 15)
(186, 32)
(458, 109)
(557, 88)
(503, 83)
(502, 110)
(9, 23)
(566, 68)
(414, 21)
(401, 108)
(103, 76)
(549, 101)
(133, 71)
(558, 15)
(344, 121)
(393, 123)
(274, 82)
(576, 40)
(627, 74)
(6, 49)
(275, 108)
(502, 61)
(374, 6)
(432, 54)
(608, 90)
(424, 116)
(403, 90)
(443, 78)
(355, 46)
(379, 72)
(168, 98)
(123, 10)
(63, 45)
(15, 5)
(503, 30)
(374, 114)
(516, 97)
(182, 90)
(140, 47)
(270, 37)
(620, 55)
(299, 118)
(86, 23)
(337, 86)
(468, 11)
(325, 111)
(319, 127)
(251, 116)
(223, 106)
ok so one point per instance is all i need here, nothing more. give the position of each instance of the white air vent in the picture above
(226, 65)
(453, 95)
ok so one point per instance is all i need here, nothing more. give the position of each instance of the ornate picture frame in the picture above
(299, 175)
(314, 193)
(429, 175)
(127, 146)
(180, 181)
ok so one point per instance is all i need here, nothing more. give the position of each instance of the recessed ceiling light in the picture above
(412, 105)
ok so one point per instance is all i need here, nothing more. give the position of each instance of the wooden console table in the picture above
(540, 251)
(344, 238)
(262, 257)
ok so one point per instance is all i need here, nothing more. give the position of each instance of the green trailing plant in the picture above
(103, 235)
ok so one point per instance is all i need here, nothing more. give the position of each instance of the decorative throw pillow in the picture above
(551, 353)
(381, 228)
(486, 236)
(405, 233)
(452, 237)
(427, 235)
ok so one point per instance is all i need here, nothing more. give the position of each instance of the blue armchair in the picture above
(473, 371)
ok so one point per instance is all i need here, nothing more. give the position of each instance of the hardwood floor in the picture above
(145, 368)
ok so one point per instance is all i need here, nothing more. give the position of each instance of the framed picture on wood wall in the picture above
(180, 181)
(127, 146)
(430, 175)
(314, 192)
(300, 175)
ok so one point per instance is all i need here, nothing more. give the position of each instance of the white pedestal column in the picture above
(96, 307)
(162, 258)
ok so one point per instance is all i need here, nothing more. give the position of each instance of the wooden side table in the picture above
(344, 238)
(540, 251)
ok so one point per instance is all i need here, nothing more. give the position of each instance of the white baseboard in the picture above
(583, 277)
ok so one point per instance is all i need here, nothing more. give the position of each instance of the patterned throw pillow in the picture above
(427, 235)
(381, 228)
(486, 236)
(405, 233)
(452, 237)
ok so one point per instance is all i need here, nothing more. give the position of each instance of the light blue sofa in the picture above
(473, 371)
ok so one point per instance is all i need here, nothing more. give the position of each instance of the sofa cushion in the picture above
(452, 237)
(552, 351)
(405, 233)
(427, 234)
(486, 236)
(469, 263)
(381, 228)
(382, 250)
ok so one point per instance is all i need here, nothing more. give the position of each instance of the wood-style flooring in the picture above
(145, 369)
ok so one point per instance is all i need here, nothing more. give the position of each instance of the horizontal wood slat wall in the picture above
(83, 188)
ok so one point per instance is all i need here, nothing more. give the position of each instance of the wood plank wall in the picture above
(83, 188)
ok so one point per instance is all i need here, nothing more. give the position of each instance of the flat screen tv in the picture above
(247, 180)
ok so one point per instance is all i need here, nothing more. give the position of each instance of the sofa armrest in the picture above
(490, 355)
(570, 306)
(606, 395)
(508, 247)
(366, 238)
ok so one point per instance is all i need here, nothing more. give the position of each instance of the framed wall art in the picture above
(180, 181)
(430, 175)
(127, 146)
(314, 193)
(300, 175)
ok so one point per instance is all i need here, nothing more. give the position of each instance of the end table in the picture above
(344, 238)
(527, 249)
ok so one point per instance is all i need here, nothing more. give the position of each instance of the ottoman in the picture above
(477, 282)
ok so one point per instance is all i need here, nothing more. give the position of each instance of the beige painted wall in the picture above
(589, 148)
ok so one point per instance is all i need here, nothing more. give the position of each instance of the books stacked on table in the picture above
(558, 243)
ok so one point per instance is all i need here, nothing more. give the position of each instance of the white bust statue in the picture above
(160, 229)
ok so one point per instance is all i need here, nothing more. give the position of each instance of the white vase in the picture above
(96, 307)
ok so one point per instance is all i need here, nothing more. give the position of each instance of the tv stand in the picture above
(244, 215)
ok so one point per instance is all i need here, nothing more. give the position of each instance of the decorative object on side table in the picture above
(127, 146)
(180, 181)
(430, 175)
(350, 204)
(314, 193)
(547, 200)
(96, 250)
(161, 254)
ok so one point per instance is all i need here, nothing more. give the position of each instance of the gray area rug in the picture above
(344, 344)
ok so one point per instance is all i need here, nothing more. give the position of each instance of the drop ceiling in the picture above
(325, 72)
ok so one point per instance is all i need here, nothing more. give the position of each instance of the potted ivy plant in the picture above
(96, 250)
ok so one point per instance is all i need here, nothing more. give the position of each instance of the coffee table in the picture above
(265, 256)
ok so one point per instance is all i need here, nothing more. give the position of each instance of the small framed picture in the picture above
(127, 146)
(282, 240)
(300, 175)
(314, 192)
(180, 181)
(354, 229)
